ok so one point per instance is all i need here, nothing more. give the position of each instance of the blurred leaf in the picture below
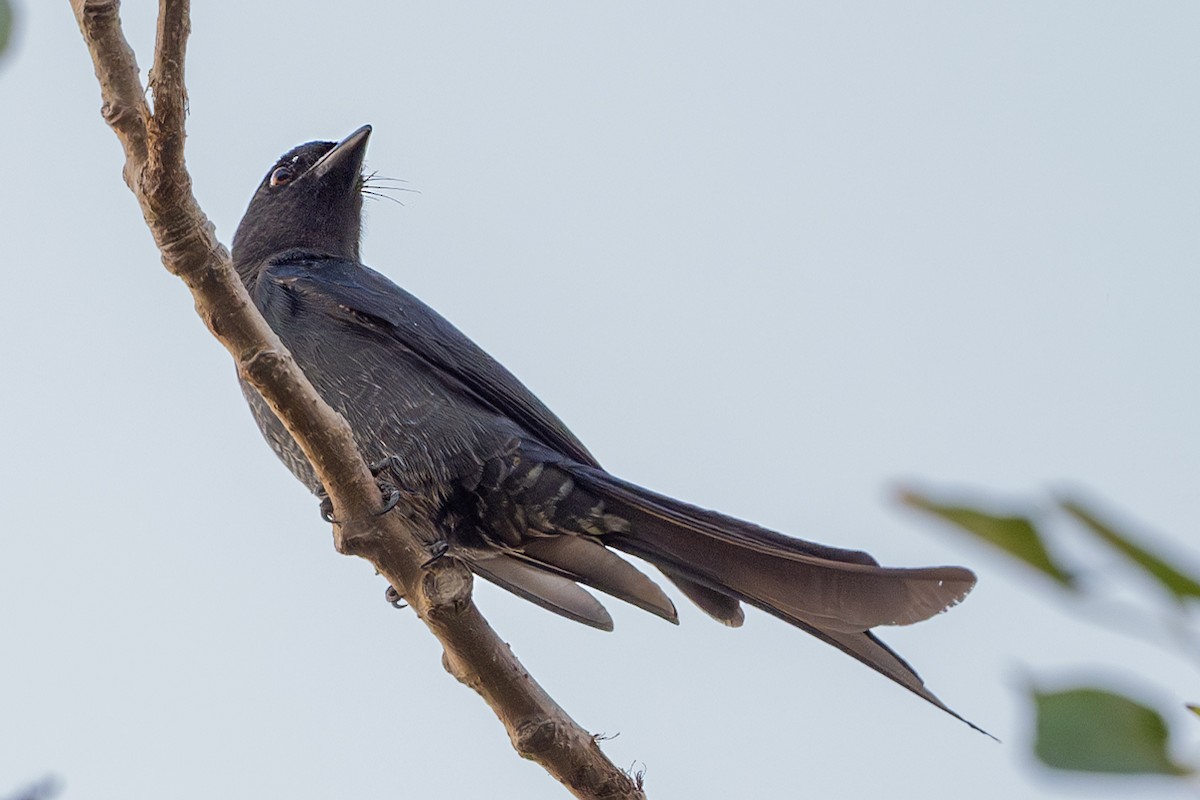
(1015, 535)
(44, 789)
(1090, 730)
(1176, 582)
(5, 24)
(1195, 709)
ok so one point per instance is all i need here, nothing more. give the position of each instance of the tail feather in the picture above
(721, 607)
(584, 559)
(834, 594)
(547, 589)
(838, 589)
(868, 649)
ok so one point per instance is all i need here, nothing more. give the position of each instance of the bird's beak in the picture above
(346, 156)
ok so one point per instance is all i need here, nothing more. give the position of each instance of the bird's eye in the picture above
(281, 175)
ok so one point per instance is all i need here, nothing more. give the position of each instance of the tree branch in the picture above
(439, 593)
(124, 108)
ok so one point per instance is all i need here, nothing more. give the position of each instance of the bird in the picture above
(506, 485)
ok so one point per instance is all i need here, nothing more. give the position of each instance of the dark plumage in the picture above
(514, 493)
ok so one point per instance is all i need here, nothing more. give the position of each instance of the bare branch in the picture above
(124, 106)
(440, 593)
(166, 82)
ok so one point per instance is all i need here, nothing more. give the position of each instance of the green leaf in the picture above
(5, 23)
(1017, 536)
(1176, 582)
(1195, 709)
(1091, 730)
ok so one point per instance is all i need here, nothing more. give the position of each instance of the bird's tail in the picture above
(835, 594)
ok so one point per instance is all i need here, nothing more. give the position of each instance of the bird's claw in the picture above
(391, 498)
(393, 490)
(327, 510)
(438, 549)
(395, 598)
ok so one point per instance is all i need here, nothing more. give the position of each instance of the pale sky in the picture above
(775, 259)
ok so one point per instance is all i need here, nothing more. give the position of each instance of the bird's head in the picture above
(310, 200)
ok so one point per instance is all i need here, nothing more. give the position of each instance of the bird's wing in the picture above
(362, 297)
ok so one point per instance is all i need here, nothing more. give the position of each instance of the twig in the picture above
(441, 593)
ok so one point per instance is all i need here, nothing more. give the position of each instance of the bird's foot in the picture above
(395, 598)
(389, 474)
(391, 498)
(436, 550)
(390, 463)
(327, 508)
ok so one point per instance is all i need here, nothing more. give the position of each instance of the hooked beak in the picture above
(347, 155)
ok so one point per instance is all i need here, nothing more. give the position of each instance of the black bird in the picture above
(512, 491)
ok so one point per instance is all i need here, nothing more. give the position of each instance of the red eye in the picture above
(281, 175)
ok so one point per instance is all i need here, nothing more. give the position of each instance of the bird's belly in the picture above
(434, 435)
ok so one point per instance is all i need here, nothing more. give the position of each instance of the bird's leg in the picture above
(393, 466)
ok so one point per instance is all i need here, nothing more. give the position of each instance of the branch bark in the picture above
(440, 593)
